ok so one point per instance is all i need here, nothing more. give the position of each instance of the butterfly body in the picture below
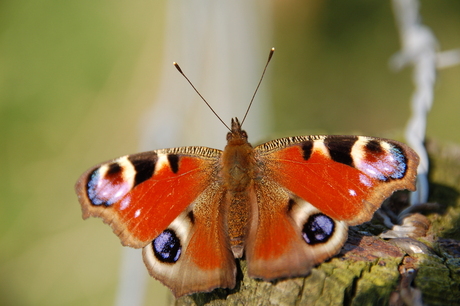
(238, 174)
(284, 205)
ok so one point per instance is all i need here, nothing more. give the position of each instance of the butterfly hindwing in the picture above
(193, 254)
(277, 247)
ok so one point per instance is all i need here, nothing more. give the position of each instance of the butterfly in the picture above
(284, 205)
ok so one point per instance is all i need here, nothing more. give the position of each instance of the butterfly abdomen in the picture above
(238, 168)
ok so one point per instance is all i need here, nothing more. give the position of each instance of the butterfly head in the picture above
(237, 135)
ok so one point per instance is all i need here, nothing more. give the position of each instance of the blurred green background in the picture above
(76, 76)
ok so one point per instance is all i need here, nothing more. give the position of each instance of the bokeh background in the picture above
(76, 78)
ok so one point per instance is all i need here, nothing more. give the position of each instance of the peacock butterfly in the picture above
(284, 205)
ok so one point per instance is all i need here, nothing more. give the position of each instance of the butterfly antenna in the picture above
(180, 70)
(258, 85)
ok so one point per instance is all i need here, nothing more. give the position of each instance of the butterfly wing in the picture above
(311, 188)
(168, 202)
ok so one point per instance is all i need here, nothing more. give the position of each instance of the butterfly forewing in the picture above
(140, 195)
(345, 177)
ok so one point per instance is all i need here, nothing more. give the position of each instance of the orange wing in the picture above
(140, 195)
(346, 177)
(311, 188)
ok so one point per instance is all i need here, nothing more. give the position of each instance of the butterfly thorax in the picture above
(238, 168)
(237, 159)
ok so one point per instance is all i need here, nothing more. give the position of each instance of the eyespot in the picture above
(318, 229)
(106, 185)
(167, 247)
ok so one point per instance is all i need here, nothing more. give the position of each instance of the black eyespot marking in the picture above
(307, 148)
(191, 216)
(114, 168)
(340, 149)
(319, 228)
(167, 247)
(291, 203)
(173, 160)
(374, 147)
(144, 169)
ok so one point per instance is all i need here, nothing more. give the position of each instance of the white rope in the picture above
(419, 46)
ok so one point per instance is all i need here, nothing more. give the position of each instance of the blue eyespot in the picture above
(167, 247)
(318, 229)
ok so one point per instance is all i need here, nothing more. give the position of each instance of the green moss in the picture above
(375, 286)
(435, 281)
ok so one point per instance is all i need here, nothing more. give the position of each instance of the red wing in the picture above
(345, 177)
(289, 236)
(140, 195)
